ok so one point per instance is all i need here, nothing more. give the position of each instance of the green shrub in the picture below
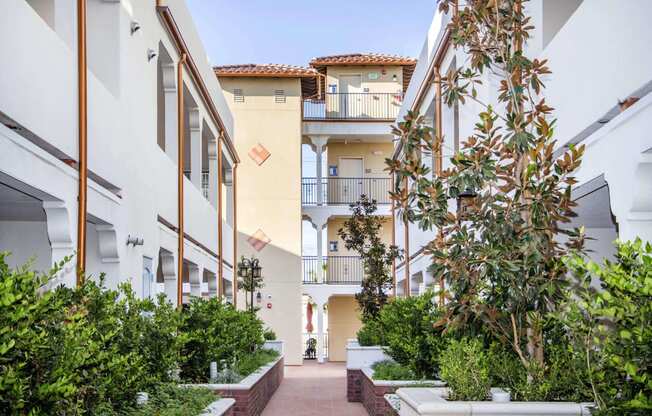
(249, 363)
(564, 377)
(612, 327)
(390, 370)
(216, 331)
(235, 370)
(370, 333)
(172, 400)
(86, 350)
(407, 326)
(465, 368)
(269, 334)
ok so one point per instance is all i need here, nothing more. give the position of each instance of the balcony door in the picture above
(350, 185)
(351, 96)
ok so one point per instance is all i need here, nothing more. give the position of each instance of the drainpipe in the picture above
(406, 223)
(180, 166)
(220, 269)
(234, 184)
(393, 239)
(439, 164)
(83, 137)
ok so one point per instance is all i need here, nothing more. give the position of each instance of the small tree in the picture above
(502, 260)
(361, 233)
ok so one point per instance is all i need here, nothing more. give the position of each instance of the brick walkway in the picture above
(313, 390)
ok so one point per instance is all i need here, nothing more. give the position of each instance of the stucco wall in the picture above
(335, 223)
(373, 156)
(123, 155)
(384, 83)
(343, 323)
(26, 241)
(269, 197)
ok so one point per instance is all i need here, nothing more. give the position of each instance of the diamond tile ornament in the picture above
(259, 154)
(259, 240)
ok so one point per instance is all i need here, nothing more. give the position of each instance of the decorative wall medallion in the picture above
(259, 154)
(259, 240)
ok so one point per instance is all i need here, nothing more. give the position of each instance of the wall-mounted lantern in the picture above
(466, 203)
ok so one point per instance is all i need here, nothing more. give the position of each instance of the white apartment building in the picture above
(600, 88)
(136, 79)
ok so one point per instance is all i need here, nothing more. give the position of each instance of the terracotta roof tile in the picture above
(362, 59)
(264, 70)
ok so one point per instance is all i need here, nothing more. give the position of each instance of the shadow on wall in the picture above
(280, 298)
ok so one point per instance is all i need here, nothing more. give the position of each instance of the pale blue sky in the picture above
(294, 31)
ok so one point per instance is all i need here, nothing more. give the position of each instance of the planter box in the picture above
(432, 401)
(254, 391)
(373, 392)
(222, 407)
(357, 358)
(275, 345)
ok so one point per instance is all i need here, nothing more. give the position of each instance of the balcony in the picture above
(353, 106)
(332, 270)
(343, 191)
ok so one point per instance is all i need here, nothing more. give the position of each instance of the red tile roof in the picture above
(264, 70)
(362, 59)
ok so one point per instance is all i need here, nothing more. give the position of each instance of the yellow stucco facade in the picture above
(335, 223)
(343, 323)
(269, 196)
(378, 79)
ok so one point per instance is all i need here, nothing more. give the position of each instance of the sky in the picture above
(295, 31)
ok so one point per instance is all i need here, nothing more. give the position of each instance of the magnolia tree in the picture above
(501, 259)
(361, 233)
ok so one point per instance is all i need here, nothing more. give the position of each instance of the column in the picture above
(61, 241)
(170, 91)
(320, 333)
(195, 276)
(168, 267)
(212, 285)
(319, 220)
(212, 172)
(319, 142)
(195, 123)
(320, 256)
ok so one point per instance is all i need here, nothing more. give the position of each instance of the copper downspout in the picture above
(438, 151)
(393, 239)
(220, 264)
(234, 184)
(83, 140)
(180, 168)
(406, 223)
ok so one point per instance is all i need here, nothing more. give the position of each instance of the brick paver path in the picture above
(313, 390)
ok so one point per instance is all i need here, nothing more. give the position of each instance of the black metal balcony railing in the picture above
(332, 270)
(344, 191)
(353, 106)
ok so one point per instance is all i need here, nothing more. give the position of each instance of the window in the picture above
(279, 96)
(238, 96)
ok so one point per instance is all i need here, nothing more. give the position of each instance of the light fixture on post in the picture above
(250, 272)
(466, 203)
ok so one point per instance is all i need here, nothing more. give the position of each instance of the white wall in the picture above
(27, 241)
(133, 180)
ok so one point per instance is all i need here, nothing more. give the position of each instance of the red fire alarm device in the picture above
(269, 305)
